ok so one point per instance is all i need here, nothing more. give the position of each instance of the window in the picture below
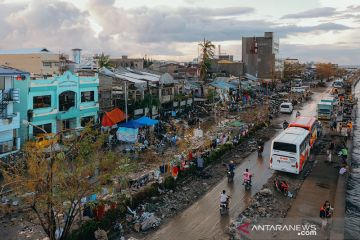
(42, 101)
(87, 96)
(286, 147)
(66, 100)
(86, 120)
(47, 64)
(46, 127)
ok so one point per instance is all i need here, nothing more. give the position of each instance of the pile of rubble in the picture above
(265, 204)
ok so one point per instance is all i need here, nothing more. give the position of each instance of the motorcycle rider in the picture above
(260, 146)
(224, 199)
(285, 124)
(247, 177)
(298, 114)
(231, 167)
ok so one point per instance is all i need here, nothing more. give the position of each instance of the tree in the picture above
(207, 53)
(292, 70)
(104, 60)
(52, 183)
(324, 71)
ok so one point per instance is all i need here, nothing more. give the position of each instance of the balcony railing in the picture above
(8, 146)
(9, 95)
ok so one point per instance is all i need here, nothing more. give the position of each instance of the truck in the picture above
(325, 110)
(329, 99)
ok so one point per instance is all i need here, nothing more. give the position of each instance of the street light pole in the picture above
(27, 123)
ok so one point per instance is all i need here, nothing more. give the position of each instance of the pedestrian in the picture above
(340, 128)
(326, 212)
(343, 169)
(332, 146)
(334, 125)
(319, 128)
(343, 154)
(329, 155)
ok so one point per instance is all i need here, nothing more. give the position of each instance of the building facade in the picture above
(9, 118)
(58, 103)
(260, 55)
(125, 62)
(36, 61)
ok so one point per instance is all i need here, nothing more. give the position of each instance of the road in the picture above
(202, 219)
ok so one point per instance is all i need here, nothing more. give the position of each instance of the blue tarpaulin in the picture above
(223, 85)
(127, 134)
(131, 124)
(145, 121)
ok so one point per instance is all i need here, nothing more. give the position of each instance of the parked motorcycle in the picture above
(281, 186)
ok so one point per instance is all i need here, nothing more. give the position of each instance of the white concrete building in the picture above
(9, 120)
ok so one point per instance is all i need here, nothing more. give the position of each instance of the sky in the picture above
(311, 30)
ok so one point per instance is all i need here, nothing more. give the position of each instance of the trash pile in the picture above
(142, 220)
(265, 204)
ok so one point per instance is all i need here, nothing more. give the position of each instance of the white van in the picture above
(286, 107)
(290, 150)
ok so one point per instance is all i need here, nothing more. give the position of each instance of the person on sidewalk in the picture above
(326, 212)
(343, 169)
(343, 154)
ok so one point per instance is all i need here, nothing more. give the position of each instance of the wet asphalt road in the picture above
(202, 219)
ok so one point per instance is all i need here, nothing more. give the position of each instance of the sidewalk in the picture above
(323, 183)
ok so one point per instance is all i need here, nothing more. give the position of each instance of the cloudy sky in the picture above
(318, 30)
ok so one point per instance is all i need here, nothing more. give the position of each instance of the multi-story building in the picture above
(260, 55)
(9, 118)
(125, 62)
(57, 103)
(36, 61)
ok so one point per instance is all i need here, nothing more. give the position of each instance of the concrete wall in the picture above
(234, 68)
(261, 63)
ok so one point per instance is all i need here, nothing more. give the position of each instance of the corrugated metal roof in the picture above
(8, 71)
(166, 78)
(25, 51)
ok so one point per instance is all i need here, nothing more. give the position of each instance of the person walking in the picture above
(326, 212)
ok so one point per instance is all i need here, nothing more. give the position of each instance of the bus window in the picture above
(286, 147)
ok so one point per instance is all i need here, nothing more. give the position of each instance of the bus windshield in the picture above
(286, 147)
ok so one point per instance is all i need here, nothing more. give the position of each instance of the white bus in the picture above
(290, 150)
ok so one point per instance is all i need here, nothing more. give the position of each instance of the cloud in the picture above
(347, 55)
(57, 25)
(162, 31)
(313, 13)
(353, 8)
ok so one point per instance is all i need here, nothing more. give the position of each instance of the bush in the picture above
(169, 182)
(110, 218)
(86, 231)
(144, 194)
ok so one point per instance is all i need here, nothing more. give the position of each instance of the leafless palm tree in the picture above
(207, 53)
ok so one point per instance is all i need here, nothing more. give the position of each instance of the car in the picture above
(286, 107)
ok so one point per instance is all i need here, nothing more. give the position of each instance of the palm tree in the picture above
(103, 60)
(207, 53)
